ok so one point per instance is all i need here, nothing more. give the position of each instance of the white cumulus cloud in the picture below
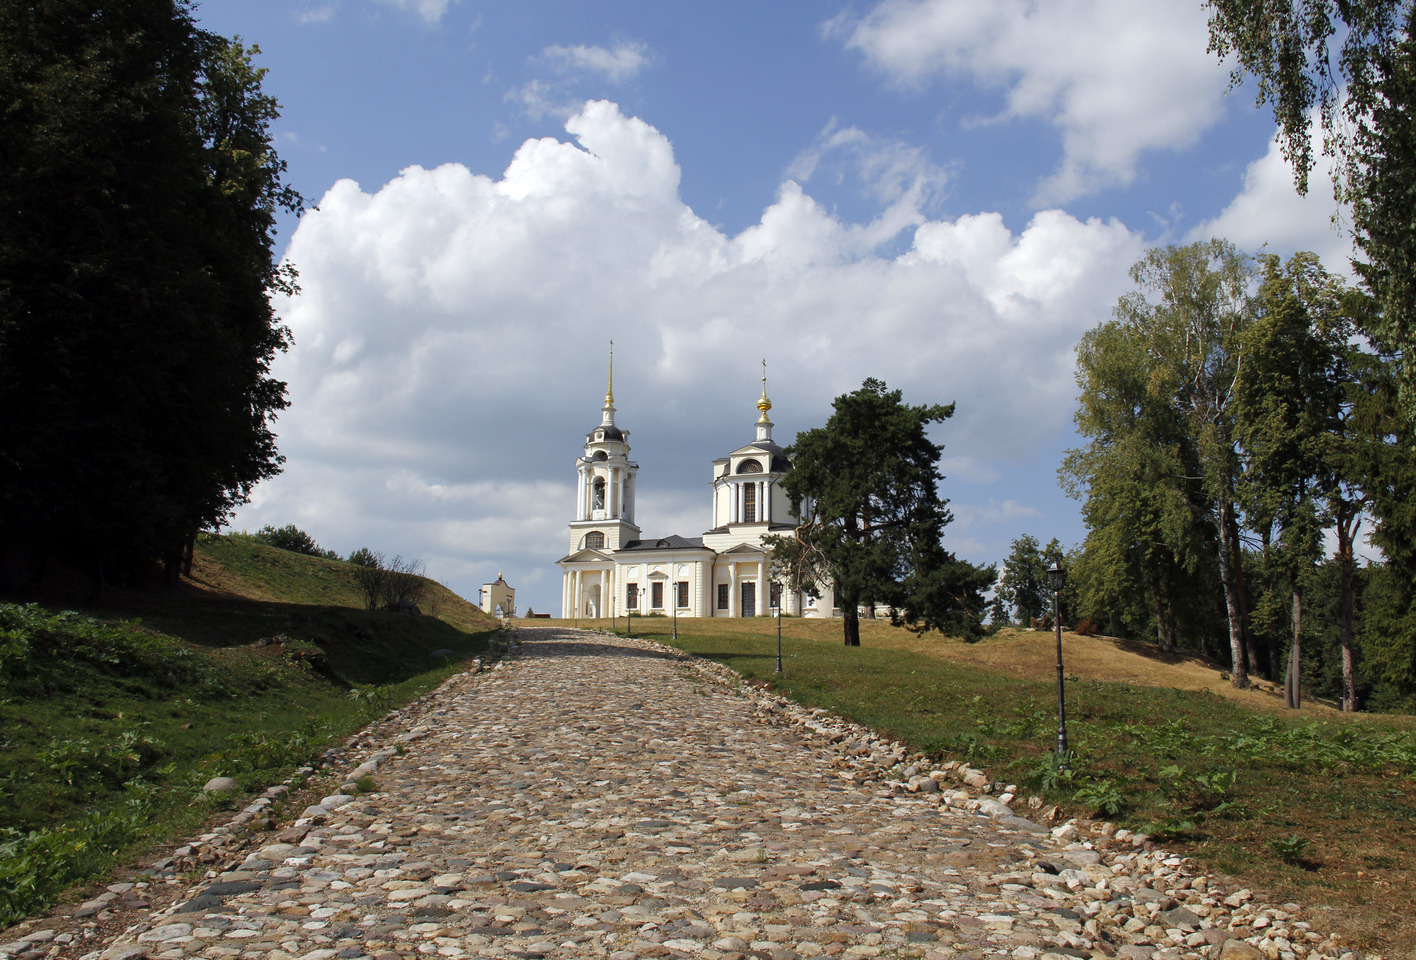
(453, 331)
(1269, 210)
(1115, 77)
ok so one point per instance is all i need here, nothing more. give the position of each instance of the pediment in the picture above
(744, 548)
(588, 555)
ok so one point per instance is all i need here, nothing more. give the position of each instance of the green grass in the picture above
(1321, 812)
(109, 726)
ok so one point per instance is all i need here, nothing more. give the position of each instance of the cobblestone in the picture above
(595, 796)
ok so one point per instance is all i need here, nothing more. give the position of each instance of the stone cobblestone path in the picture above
(598, 796)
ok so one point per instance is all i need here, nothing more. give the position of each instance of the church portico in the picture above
(611, 569)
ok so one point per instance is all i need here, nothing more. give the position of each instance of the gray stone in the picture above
(221, 785)
(994, 808)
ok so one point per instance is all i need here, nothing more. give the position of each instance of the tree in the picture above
(1364, 95)
(1301, 395)
(1173, 352)
(1023, 585)
(872, 519)
(1139, 479)
(998, 612)
(138, 192)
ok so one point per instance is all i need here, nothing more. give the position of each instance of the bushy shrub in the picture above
(364, 557)
(292, 538)
(1085, 627)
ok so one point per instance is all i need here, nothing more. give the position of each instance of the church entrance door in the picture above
(749, 599)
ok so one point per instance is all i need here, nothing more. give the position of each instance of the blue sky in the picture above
(939, 193)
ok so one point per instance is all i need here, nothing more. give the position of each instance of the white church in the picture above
(612, 569)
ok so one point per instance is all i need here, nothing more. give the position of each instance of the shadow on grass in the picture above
(1151, 651)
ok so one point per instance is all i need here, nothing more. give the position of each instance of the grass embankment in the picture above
(1304, 805)
(111, 725)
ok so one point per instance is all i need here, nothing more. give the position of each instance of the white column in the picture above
(766, 502)
(580, 493)
(734, 601)
(619, 491)
(763, 589)
(761, 501)
(737, 503)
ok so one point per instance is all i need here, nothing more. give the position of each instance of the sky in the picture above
(940, 194)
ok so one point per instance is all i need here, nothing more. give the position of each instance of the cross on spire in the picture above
(610, 389)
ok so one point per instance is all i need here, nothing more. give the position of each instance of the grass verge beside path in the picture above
(109, 727)
(1318, 811)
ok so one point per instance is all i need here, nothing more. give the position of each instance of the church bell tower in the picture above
(604, 511)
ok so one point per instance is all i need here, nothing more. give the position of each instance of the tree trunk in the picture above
(1347, 523)
(1239, 671)
(1170, 618)
(1293, 688)
(850, 620)
(189, 555)
(1163, 634)
(1246, 631)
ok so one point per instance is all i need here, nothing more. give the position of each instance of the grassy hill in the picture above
(113, 715)
(1313, 805)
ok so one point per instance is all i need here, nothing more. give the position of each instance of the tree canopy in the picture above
(872, 519)
(1352, 65)
(138, 195)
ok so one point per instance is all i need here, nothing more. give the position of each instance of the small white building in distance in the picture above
(498, 598)
(612, 569)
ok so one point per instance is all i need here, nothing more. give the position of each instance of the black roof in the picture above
(611, 432)
(671, 542)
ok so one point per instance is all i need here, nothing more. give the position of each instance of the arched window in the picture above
(599, 493)
(595, 540)
(749, 502)
(600, 455)
(749, 466)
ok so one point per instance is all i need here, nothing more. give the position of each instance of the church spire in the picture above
(607, 418)
(764, 425)
(610, 389)
(764, 404)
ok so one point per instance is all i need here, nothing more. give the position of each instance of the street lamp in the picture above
(1055, 576)
(776, 589)
(676, 600)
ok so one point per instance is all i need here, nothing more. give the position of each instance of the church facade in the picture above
(611, 569)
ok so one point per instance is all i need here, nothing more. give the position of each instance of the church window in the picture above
(599, 493)
(600, 455)
(595, 540)
(682, 594)
(656, 595)
(749, 466)
(723, 596)
(749, 502)
(631, 599)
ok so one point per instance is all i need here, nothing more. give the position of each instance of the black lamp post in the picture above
(676, 600)
(776, 588)
(1055, 576)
